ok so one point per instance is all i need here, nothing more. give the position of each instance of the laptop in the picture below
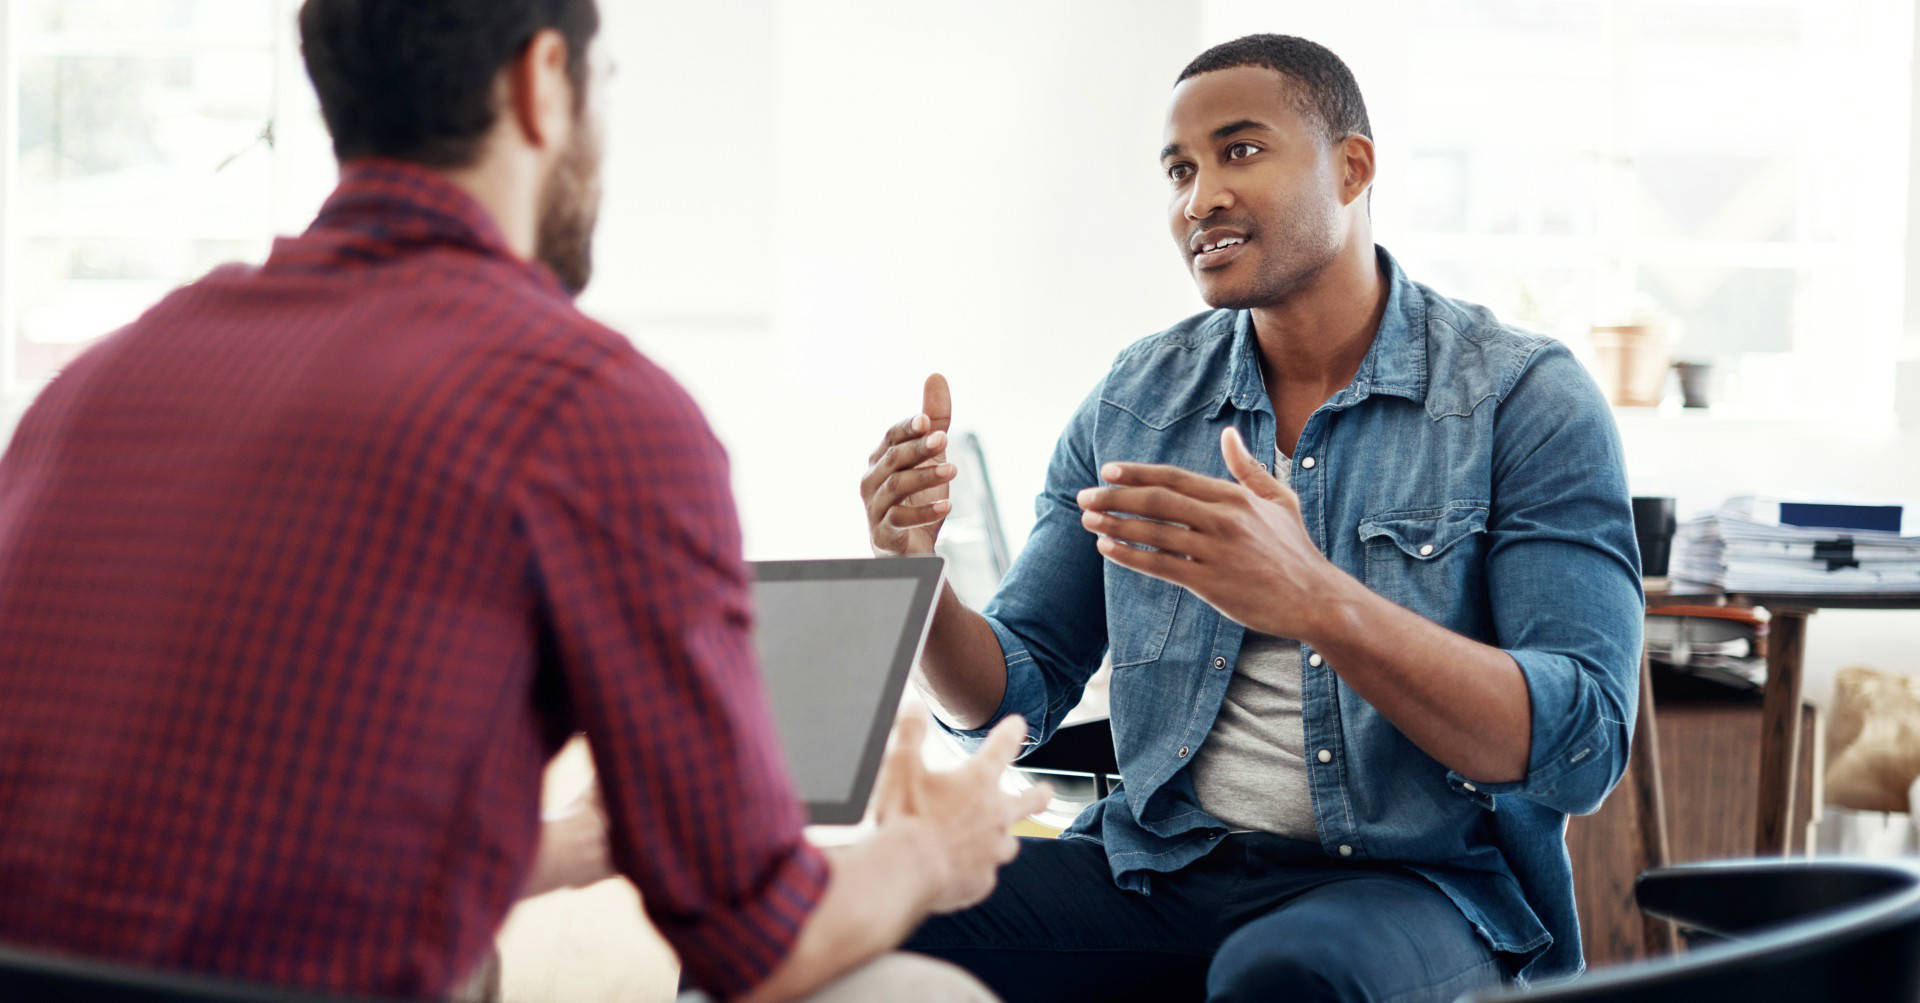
(836, 640)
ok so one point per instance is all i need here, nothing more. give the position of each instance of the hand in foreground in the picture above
(962, 817)
(573, 850)
(905, 488)
(1240, 544)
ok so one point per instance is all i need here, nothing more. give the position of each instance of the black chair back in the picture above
(31, 977)
(1812, 930)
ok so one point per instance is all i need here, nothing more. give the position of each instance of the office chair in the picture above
(1812, 930)
(32, 977)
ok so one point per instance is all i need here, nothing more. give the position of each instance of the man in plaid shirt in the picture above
(306, 574)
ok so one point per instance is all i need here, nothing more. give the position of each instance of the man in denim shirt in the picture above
(1363, 560)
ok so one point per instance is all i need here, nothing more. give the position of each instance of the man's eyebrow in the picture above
(1172, 149)
(1241, 126)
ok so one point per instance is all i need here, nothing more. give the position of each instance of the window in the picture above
(148, 143)
(1736, 166)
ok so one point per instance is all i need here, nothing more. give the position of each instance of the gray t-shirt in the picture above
(1251, 772)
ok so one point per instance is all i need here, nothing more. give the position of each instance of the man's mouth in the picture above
(1215, 250)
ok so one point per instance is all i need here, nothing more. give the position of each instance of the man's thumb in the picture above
(1246, 469)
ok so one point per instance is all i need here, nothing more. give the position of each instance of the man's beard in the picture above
(569, 207)
(1297, 245)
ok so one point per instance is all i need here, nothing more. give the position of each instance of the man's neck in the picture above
(1314, 341)
(503, 188)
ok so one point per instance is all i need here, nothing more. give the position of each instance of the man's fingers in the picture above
(902, 486)
(1155, 502)
(911, 453)
(910, 427)
(1246, 469)
(901, 456)
(1002, 745)
(900, 766)
(936, 402)
(1032, 801)
(905, 517)
(1184, 481)
(889, 788)
(910, 732)
(1159, 535)
(1152, 563)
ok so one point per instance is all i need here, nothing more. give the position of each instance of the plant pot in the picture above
(1631, 362)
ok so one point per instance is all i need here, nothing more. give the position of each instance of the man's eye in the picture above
(1240, 151)
(1179, 172)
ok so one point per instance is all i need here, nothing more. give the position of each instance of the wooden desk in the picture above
(1781, 718)
(1690, 793)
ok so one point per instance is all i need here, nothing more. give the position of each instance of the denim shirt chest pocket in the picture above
(1140, 612)
(1425, 559)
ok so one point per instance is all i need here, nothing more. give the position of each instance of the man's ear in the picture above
(539, 92)
(1356, 162)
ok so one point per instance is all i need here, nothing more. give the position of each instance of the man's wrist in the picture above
(904, 852)
(1339, 612)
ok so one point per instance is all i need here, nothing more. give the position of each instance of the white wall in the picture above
(971, 189)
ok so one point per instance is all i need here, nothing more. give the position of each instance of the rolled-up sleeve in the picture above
(1564, 580)
(1050, 612)
(626, 506)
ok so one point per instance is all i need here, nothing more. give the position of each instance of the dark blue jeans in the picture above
(1259, 918)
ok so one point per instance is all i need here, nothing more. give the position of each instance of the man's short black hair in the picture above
(414, 79)
(1326, 87)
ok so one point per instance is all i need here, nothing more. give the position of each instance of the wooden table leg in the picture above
(1780, 730)
(1658, 936)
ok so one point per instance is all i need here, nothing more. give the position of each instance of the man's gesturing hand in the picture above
(1239, 546)
(961, 817)
(905, 488)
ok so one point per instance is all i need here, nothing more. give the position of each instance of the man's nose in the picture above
(1209, 197)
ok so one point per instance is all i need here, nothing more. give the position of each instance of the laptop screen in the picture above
(836, 640)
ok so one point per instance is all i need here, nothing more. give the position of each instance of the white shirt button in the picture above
(1345, 850)
(1315, 660)
(1307, 464)
(1183, 752)
(1426, 550)
(1219, 662)
(1325, 756)
(1470, 788)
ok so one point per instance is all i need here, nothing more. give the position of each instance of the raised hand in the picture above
(906, 485)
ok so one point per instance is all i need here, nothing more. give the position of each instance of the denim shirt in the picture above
(1470, 473)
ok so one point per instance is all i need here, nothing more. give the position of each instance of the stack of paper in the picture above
(1720, 643)
(1731, 552)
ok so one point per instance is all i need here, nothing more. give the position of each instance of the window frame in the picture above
(286, 208)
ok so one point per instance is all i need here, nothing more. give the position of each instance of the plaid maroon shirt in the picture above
(304, 576)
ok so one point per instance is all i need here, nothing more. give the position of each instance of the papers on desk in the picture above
(1723, 644)
(1730, 551)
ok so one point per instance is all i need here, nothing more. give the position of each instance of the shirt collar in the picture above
(1395, 364)
(383, 208)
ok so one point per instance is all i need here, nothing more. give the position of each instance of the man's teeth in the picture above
(1229, 242)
